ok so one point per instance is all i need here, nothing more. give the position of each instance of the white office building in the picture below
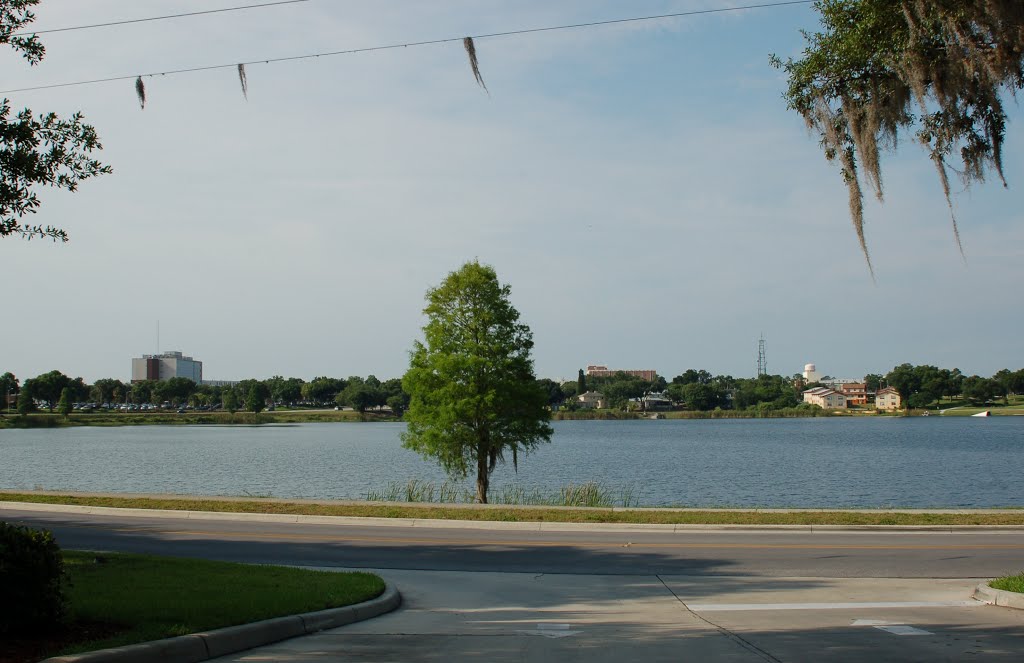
(166, 366)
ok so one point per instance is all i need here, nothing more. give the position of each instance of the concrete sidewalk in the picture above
(450, 616)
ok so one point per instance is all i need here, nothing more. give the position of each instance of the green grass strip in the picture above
(190, 418)
(532, 514)
(1010, 583)
(160, 597)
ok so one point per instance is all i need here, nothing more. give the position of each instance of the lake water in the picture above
(825, 462)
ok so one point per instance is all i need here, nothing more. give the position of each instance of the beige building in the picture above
(166, 366)
(888, 399)
(591, 400)
(825, 398)
(604, 372)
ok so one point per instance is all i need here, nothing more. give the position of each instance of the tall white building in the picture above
(165, 366)
(811, 374)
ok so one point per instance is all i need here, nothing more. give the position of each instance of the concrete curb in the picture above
(480, 524)
(986, 594)
(212, 644)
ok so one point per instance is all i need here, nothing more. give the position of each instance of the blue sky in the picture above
(641, 187)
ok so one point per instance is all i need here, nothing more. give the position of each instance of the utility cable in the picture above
(367, 49)
(156, 18)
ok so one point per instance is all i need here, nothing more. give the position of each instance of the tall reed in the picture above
(586, 494)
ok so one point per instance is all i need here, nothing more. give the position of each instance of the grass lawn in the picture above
(119, 599)
(959, 407)
(190, 418)
(530, 514)
(1010, 583)
(997, 410)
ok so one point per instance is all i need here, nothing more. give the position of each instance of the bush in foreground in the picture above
(31, 573)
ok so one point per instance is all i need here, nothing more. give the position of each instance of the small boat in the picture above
(983, 413)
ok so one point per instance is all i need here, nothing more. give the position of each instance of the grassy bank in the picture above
(44, 420)
(118, 599)
(994, 410)
(783, 413)
(506, 513)
(1010, 583)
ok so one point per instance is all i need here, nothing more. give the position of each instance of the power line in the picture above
(430, 42)
(156, 18)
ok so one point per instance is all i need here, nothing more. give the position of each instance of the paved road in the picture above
(874, 554)
(638, 595)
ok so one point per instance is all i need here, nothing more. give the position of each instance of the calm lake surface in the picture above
(828, 462)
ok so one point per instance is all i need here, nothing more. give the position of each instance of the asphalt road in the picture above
(576, 594)
(834, 554)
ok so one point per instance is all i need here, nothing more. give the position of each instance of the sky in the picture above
(641, 187)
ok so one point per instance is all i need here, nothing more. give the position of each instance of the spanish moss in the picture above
(140, 92)
(936, 68)
(242, 79)
(473, 63)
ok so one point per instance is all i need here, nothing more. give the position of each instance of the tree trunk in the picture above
(482, 475)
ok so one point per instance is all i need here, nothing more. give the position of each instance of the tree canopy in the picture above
(43, 150)
(473, 394)
(882, 67)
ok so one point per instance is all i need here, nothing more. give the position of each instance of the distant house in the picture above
(824, 397)
(888, 399)
(591, 400)
(856, 393)
(656, 400)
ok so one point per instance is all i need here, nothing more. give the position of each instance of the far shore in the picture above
(189, 417)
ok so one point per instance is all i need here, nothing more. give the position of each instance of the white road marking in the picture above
(735, 607)
(553, 631)
(903, 629)
(873, 622)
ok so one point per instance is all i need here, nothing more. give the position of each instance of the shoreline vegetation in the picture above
(297, 416)
(694, 394)
(1012, 516)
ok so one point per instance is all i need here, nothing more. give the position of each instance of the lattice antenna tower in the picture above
(762, 363)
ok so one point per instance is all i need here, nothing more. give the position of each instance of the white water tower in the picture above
(811, 373)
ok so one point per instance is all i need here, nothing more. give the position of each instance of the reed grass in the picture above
(587, 494)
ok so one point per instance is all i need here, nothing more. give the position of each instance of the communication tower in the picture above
(762, 363)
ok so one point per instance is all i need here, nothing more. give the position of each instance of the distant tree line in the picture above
(921, 386)
(695, 389)
(55, 388)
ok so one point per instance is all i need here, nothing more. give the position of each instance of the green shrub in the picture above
(31, 574)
